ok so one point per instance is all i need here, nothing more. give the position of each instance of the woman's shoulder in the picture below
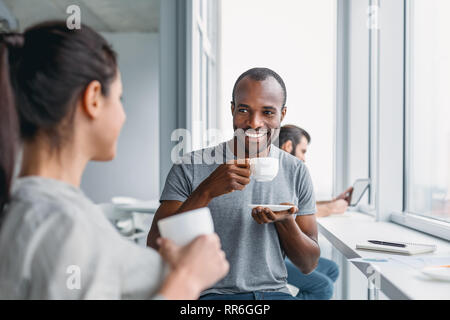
(38, 199)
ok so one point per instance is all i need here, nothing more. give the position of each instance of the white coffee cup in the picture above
(264, 169)
(185, 227)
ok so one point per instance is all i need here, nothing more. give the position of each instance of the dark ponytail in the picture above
(42, 75)
(8, 117)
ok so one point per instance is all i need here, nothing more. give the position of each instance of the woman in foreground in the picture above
(60, 94)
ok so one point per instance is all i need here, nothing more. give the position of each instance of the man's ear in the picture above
(232, 108)
(287, 146)
(283, 113)
(91, 100)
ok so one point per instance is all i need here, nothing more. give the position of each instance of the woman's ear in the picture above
(92, 99)
(287, 146)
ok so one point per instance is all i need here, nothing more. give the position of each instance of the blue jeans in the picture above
(256, 295)
(317, 285)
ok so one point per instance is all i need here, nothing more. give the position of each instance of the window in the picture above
(354, 115)
(295, 38)
(374, 74)
(203, 48)
(404, 46)
(428, 109)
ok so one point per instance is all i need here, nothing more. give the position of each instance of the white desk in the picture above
(137, 215)
(398, 281)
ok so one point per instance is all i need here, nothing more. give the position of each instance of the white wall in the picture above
(295, 38)
(135, 171)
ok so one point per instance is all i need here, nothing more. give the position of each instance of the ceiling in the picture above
(102, 15)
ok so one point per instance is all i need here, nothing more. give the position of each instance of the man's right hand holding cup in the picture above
(228, 177)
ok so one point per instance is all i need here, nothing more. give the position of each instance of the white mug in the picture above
(264, 169)
(185, 227)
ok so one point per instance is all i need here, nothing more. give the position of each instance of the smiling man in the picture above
(255, 241)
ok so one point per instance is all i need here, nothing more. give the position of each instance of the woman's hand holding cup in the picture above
(201, 262)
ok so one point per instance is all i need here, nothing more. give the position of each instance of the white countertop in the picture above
(398, 280)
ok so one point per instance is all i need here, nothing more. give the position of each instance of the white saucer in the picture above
(438, 273)
(273, 207)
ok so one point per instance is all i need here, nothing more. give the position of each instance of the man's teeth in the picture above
(255, 135)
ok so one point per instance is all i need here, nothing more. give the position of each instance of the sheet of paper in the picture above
(369, 260)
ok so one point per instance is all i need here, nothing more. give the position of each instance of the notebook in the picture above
(409, 249)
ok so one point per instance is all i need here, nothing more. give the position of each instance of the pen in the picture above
(388, 243)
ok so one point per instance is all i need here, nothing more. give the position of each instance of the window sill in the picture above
(433, 227)
(397, 282)
(366, 209)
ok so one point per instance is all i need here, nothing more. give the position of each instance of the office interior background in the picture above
(368, 79)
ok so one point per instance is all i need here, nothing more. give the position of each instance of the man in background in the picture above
(295, 140)
(319, 284)
(256, 240)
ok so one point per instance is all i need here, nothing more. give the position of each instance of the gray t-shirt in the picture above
(253, 250)
(56, 244)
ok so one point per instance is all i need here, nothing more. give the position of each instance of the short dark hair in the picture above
(294, 134)
(261, 74)
(42, 73)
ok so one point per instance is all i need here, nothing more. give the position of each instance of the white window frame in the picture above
(413, 220)
(202, 86)
(352, 149)
(377, 22)
(374, 107)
